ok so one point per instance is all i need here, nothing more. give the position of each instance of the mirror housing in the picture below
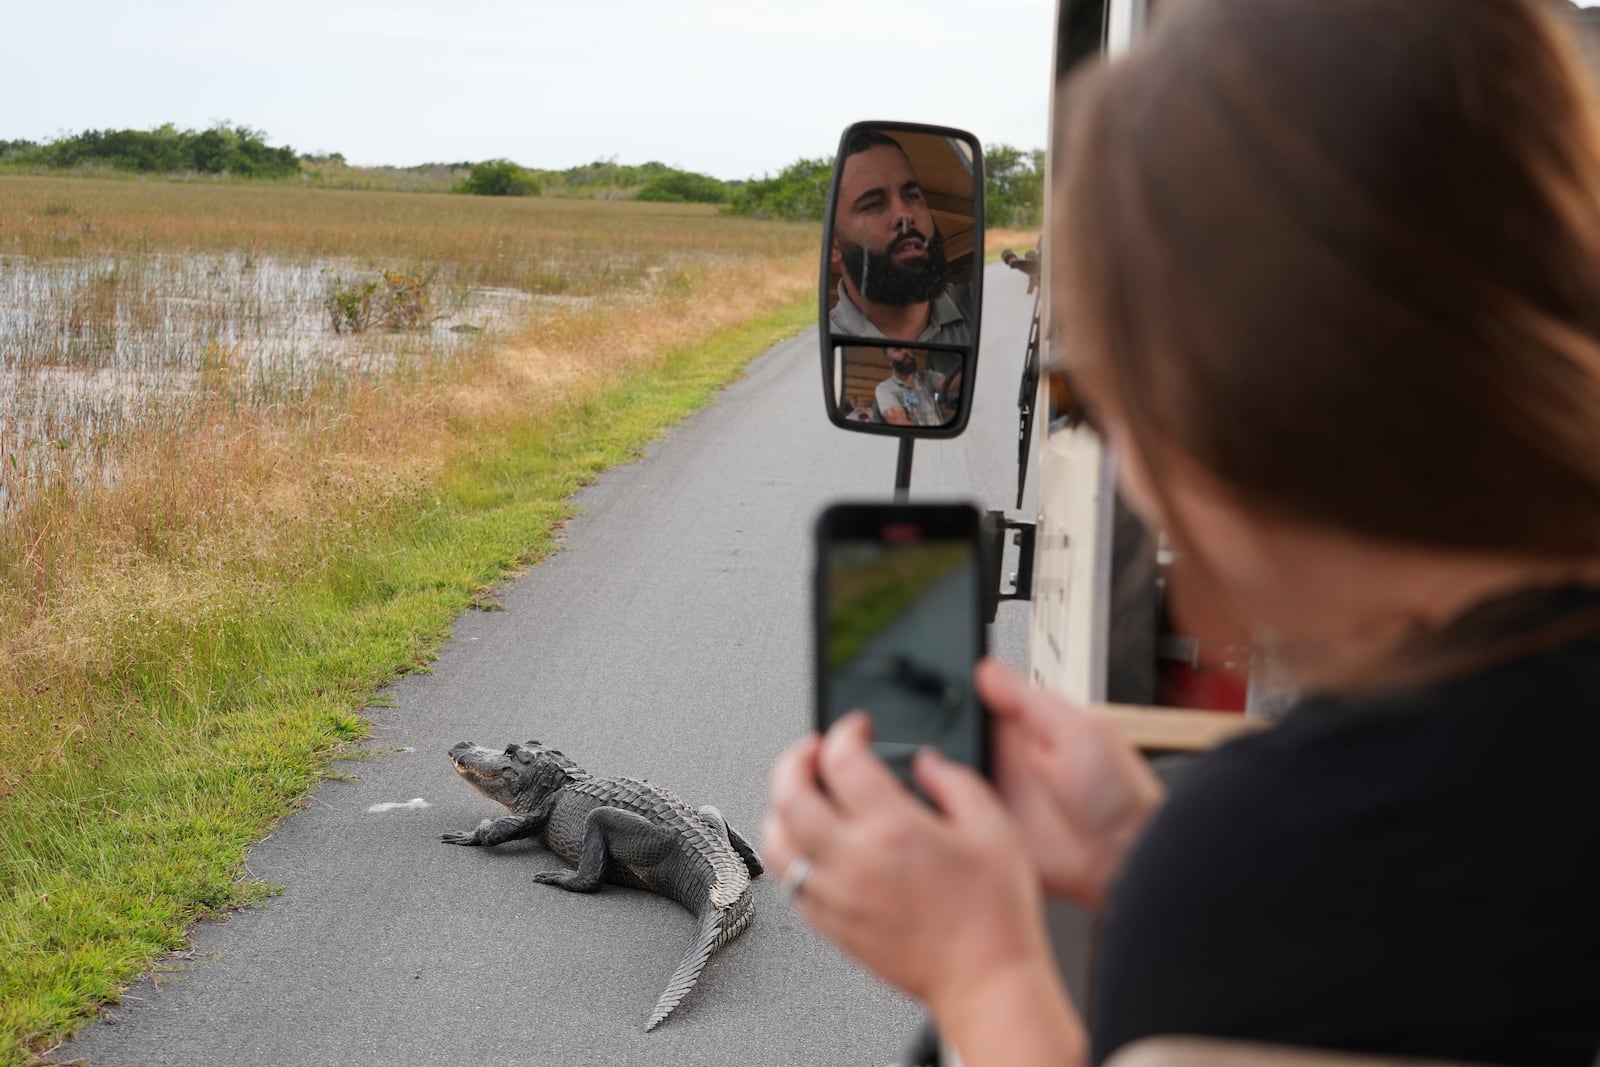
(901, 282)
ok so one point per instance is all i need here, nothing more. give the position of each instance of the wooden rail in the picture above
(1175, 729)
(1210, 1052)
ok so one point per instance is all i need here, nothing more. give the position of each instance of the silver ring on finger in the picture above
(794, 878)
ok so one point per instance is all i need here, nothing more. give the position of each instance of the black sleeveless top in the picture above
(1417, 875)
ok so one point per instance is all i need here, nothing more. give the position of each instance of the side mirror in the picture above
(902, 279)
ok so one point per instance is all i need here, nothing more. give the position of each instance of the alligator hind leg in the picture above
(612, 838)
(713, 818)
(747, 852)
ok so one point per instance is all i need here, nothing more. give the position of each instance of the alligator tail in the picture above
(718, 926)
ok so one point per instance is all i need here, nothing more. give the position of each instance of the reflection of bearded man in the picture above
(895, 278)
(883, 280)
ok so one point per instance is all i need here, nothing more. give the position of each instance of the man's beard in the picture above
(881, 280)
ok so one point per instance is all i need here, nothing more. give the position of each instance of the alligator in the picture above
(619, 830)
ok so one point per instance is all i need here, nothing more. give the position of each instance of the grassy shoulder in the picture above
(868, 596)
(136, 791)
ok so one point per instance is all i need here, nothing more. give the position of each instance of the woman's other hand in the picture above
(942, 902)
(1080, 794)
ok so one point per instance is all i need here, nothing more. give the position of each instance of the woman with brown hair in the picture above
(1328, 273)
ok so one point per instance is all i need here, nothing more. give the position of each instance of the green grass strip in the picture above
(867, 596)
(205, 737)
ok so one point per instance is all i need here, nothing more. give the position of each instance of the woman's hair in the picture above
(1344, 256)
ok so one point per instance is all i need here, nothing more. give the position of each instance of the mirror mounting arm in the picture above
(902, 469)
(995, 528)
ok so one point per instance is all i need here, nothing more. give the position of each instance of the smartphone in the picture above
(900, 626)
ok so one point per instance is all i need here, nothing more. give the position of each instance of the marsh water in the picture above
(92, 347)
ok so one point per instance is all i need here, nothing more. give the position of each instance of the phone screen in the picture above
(900, 627)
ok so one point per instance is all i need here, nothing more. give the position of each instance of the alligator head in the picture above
(517, 776)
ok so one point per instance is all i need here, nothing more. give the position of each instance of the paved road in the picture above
(670, 640)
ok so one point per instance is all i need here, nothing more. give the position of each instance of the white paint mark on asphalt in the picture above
(416, 803)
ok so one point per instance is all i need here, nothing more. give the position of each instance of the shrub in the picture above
(798, 193)
(1013, 186)
(404, 300)
(606, 179)
(396, 300)
(349, 307)
(20, 151)
(684, 187)
(499, 177)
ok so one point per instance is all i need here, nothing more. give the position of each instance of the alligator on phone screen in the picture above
(617, 830)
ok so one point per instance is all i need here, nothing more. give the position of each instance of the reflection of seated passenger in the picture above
(856, 411)
(910, 397)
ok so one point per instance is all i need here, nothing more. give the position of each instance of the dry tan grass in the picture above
(207, 510)
(196, 525)
(1019, 241)
(579, 348)
(529, 243)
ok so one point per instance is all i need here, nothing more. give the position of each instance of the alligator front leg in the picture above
(611, 836)
(498, 831)
(713, 818)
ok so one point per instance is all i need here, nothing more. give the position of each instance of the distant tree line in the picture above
(222, 149)
(1013, 186)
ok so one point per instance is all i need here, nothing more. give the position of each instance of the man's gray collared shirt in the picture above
(947, 322)
(916, 396)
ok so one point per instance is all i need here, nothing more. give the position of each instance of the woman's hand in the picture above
(941, 902)
(1080, 794)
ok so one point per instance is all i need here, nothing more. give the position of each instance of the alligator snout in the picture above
(478, 764)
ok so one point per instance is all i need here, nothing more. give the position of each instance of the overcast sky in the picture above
(732, 88)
